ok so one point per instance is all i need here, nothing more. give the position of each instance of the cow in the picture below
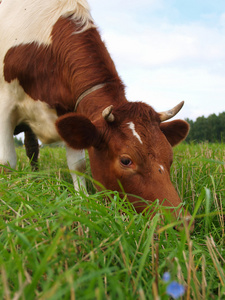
(31, 144)
(57, 77)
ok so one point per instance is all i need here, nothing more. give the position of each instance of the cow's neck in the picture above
(87, 64)
(62, 71)
(93, 104)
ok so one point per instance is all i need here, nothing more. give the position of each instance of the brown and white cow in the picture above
(57, 77)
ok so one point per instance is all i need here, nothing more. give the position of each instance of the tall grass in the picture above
(56, 243)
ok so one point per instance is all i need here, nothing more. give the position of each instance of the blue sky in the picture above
(167, 51)
(204, 10)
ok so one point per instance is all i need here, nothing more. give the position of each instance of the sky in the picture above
(167, 51)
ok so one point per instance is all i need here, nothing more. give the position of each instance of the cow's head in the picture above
(129, 147)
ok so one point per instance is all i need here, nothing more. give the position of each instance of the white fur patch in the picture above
(29, 21)
(40, 117)
(162, 168)
(132, 127)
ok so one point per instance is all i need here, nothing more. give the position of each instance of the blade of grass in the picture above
(31, 288)
(151, 231)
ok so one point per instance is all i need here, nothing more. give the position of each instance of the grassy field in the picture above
(56, 243)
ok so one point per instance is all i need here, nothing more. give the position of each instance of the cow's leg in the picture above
(31, 144)
(32, 148)
(7, 147)
(76, 163)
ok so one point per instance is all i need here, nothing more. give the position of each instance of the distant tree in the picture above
(200, 129)
(222, 126)
(189, 138)
(211, 129)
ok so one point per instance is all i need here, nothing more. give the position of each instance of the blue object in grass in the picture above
(166, 277)
(175, 290)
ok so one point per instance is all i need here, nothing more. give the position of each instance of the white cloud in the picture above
(151, 46)
(222, 20)
(163, 62)
(202, 92)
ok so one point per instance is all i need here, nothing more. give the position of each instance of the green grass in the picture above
(56, 243)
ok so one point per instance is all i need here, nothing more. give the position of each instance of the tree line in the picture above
(210, 129)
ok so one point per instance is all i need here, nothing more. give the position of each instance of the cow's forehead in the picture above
(134, 133)
(136, 112)
(135, 122)
(138, 132)
(139, 120)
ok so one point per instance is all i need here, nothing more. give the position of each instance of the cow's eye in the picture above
(125, 161)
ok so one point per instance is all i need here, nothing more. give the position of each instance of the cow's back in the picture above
(23, 23)
(27, 21)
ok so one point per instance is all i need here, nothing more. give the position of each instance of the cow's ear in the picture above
(77, 131)
(175, 131)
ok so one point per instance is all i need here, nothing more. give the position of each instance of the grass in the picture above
(56, 243)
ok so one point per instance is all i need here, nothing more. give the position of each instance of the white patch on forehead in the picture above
(132, 127)
(162, 168)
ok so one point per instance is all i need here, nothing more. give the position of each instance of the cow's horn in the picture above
(166, 115)
(107, 114)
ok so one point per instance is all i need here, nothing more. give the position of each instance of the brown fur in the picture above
(81, 128)
(59, 73)
(175, 131)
